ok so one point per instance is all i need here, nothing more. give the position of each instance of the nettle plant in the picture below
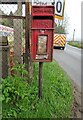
(18, 95)
(14, 89)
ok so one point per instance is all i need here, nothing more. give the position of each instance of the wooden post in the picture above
(27, 35)
(40, 79)
(18, 29)
(28, 60)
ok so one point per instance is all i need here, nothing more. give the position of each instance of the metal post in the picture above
(40, 79)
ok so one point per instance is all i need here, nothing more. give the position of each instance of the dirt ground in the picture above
(77, 107)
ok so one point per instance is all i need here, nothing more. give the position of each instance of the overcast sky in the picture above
(73, 11)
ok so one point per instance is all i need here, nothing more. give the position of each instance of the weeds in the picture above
(20, 99)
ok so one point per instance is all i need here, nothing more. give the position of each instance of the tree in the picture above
(61, 26)
(8, 22)
(60, 29)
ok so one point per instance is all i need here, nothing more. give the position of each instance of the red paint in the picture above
(42, 30)
(42, 11)
(42, 23)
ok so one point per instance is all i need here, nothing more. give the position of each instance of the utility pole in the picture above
(73, 34)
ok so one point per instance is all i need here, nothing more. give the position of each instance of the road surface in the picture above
(70, 60)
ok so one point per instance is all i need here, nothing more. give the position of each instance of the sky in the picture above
(73, 11)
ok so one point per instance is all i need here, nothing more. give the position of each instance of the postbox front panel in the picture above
(42, 33)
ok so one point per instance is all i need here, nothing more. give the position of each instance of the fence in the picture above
(14, 37)
(12, 25)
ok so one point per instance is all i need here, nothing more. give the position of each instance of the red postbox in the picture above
(42, 33)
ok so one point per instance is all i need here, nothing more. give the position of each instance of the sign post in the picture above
(40, 79)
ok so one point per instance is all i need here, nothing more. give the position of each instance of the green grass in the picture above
(57, 91)
(57, 97)
(76, 44)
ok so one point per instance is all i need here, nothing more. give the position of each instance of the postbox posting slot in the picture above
(43, 17)
(42, 44)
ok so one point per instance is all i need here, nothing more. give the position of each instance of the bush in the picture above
(17, 93)
(20, 99)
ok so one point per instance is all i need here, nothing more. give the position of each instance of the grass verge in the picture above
(23, 102)
(76, 44)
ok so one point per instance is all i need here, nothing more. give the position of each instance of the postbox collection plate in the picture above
(42, 44)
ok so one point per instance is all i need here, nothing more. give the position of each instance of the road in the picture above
(70, 60)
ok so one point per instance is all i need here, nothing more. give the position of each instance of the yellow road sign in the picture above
(59, 9)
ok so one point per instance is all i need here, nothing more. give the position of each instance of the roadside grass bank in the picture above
(76, 44)
(20, 99)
